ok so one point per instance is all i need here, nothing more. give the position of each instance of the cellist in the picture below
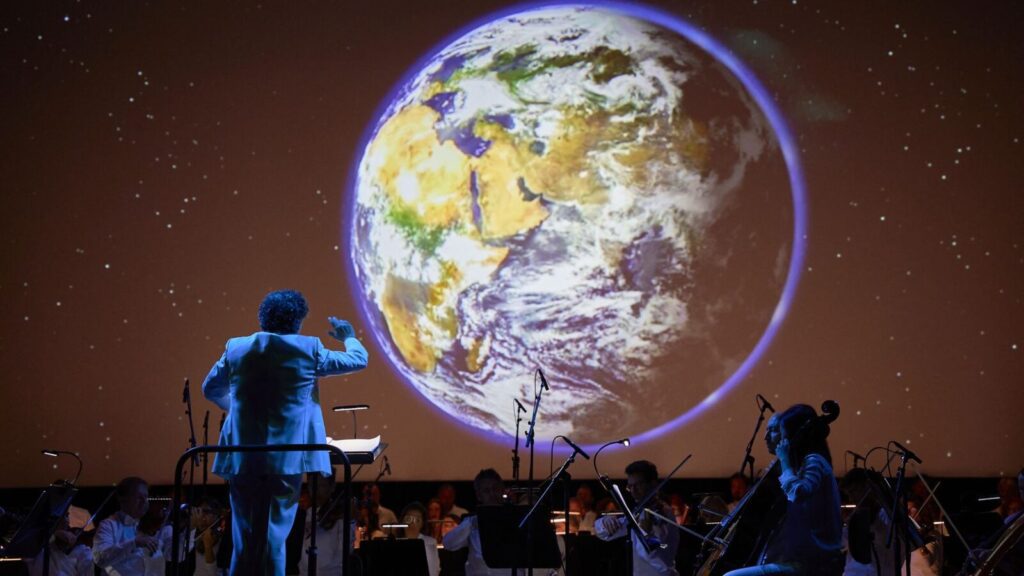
(809, 539)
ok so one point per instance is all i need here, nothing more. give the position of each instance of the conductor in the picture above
(267, 384)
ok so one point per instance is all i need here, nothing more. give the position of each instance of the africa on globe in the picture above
(578, 188)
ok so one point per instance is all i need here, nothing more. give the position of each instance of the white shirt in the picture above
(659, 561)
(76, 563)
(114, 549)
(433, 559)
(329, 553)
(467, 534)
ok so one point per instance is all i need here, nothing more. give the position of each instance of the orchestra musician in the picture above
(809, 539)
(267, 384)
(329, 524)
(1002, 553)
(489, 489)
(641, 479)
(414, 517)
(120, 547)
(68, 555)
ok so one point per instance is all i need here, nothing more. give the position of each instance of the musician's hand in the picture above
(782, 451)
(341, 329)
(148, 543)
(196, 518)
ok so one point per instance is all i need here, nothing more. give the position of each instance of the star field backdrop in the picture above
(164, 165)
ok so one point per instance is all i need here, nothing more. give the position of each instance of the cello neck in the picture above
(750, 493)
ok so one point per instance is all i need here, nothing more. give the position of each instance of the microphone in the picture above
(184, 393)
(906, 452)
(765, 404)
(601, 477)
(519, 405)
(387, 466)
(575, 447)
(543, 380)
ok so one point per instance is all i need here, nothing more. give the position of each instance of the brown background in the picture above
(164, 165)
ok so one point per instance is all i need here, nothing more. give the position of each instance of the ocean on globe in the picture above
(580, 189)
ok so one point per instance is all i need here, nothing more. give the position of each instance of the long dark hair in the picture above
(806, 431)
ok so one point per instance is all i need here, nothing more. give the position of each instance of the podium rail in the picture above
(311, 552)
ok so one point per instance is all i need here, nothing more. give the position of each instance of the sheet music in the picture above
(356, 444)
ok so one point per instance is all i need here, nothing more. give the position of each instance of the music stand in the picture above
(34, 534)
(392, 557)
(504, 545)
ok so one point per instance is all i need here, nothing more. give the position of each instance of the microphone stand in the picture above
(548, 486)
(515, 451)
(530, 435)
(187, 399)
(900, 545)
(748, 460)
(531, 444)
(205, 456)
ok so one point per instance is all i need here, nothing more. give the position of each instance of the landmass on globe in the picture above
(551, 190)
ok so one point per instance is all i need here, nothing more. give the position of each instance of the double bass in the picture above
(744, 533)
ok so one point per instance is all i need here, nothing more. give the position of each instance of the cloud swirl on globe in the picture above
(580, 189)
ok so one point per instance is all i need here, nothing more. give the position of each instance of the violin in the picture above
(331, 514)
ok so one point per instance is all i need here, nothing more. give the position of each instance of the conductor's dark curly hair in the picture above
(282, 312)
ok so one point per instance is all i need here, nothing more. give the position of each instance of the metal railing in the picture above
(311, 551)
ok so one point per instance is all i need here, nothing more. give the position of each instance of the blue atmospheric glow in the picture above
(756, 90)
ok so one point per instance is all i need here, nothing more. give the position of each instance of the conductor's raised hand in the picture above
(341, 329)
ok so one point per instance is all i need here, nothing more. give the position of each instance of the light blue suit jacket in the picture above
(267, 384)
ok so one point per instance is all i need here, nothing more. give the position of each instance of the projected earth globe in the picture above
(581, 190)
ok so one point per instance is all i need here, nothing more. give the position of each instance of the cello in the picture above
(741, 537)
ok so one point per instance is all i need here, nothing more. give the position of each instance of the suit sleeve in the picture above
(331, 362)
(217, 385)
